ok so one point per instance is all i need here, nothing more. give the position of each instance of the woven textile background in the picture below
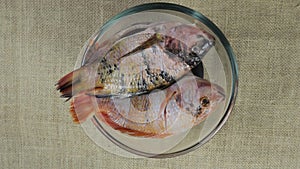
(40, 41)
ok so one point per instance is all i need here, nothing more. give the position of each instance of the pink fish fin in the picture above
(81, 107)
(154, 39)
(141, 103)
(73, 83)
(104, 116)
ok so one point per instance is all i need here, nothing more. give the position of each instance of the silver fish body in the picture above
(140, 63)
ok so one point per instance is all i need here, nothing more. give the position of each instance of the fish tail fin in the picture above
(73, 83)
(81, 108)
(73, 113)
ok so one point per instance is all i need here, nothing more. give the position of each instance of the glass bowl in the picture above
(218, 66)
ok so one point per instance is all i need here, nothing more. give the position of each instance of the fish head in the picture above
(199, 98)
(196, 42)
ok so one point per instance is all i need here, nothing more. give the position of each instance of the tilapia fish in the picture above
(139, 63)
(158, 114)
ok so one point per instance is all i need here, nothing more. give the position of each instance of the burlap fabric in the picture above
(40, 41)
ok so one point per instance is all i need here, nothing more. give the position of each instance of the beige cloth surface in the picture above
(40, 41)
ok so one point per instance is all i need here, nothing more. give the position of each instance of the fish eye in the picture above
(204, 101)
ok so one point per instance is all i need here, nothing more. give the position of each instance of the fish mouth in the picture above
(199, 50)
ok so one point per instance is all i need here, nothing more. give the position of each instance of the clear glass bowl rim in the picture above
(224, 42)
